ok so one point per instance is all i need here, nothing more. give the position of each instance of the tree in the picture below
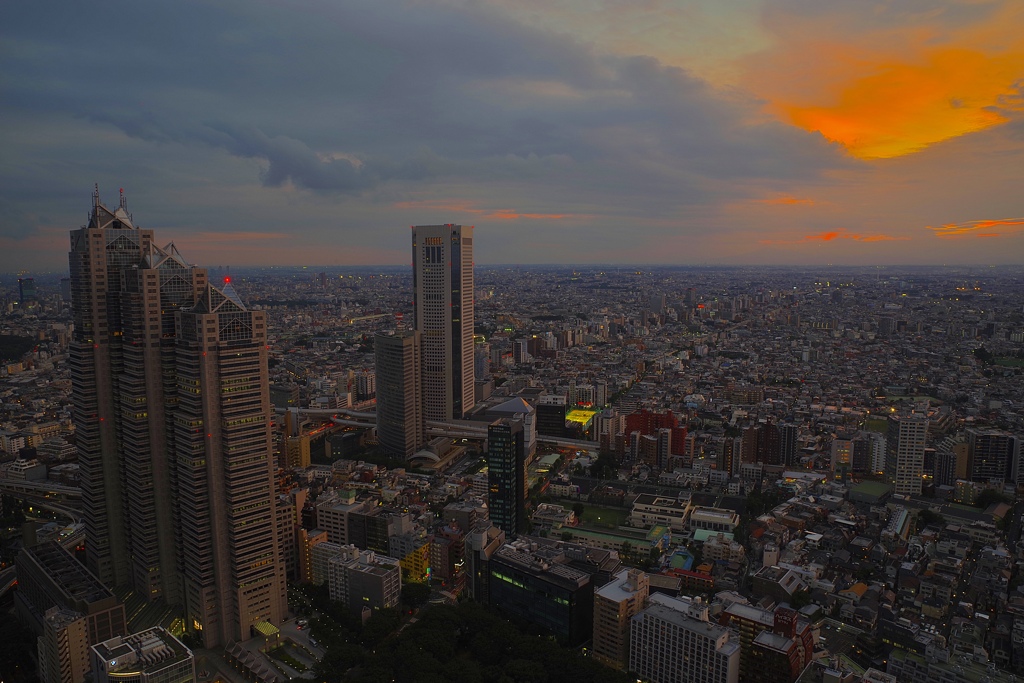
(415, 594)
(926, 517)
(605, 467)
(577, 511)
(800, 599)
(989, 496)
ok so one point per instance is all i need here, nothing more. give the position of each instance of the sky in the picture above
(696, 132)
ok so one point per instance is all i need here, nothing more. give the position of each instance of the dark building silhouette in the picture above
(506, 475)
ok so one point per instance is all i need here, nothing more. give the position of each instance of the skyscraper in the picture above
(102, 253)
(442, 268)
(399, 400)
(27, 291)
(506, 475)
(161, 284)
(172, 415)
(904, 453)
(232, 570)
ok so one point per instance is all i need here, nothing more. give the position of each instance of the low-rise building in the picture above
(150, 656)
(535, 583)
(652, 510)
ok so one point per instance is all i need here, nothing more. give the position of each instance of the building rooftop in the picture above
(148, 650)
(72, 578)
(620, 588)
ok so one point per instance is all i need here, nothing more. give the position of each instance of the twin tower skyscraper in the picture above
(173, 429)
(172, 416)
(427, 373)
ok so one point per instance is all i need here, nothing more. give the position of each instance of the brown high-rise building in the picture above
(102, 253)
(397, 360)
(172, 417)
(442, 273)
(615, 604)
(232, 571)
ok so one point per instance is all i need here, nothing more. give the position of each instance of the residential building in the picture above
(904, 455)
(993, 455)
(64, 647)
(786, 649)
(673, 641)
(615, 604)
(363, 579)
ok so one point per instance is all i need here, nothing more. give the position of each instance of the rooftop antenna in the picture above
(124, 204)
(96, 195)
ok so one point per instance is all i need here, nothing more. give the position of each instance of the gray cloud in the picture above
(382, 80)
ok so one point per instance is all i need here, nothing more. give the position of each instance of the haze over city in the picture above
(775, 132)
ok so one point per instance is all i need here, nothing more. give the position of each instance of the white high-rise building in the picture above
(442, 269)
(904, 455)
(674, 641)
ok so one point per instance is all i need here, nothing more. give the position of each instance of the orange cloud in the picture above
(786, 201)
(489, 214)
(838, 234)
(884, 90)
(970, 228)
(902, 108)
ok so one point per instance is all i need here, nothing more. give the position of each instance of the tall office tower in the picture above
(172, 415)
(673, 641)
(27, 291)
(904, 453)
(161, 284)
(993, 454)
(232, 571)
(102, 255)
(442, 273)
(399, 406)
(506, 475)
(615, 603)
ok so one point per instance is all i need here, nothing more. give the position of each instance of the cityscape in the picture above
(663, 473)
(512, 341)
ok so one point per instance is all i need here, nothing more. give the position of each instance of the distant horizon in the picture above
(570, 266)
